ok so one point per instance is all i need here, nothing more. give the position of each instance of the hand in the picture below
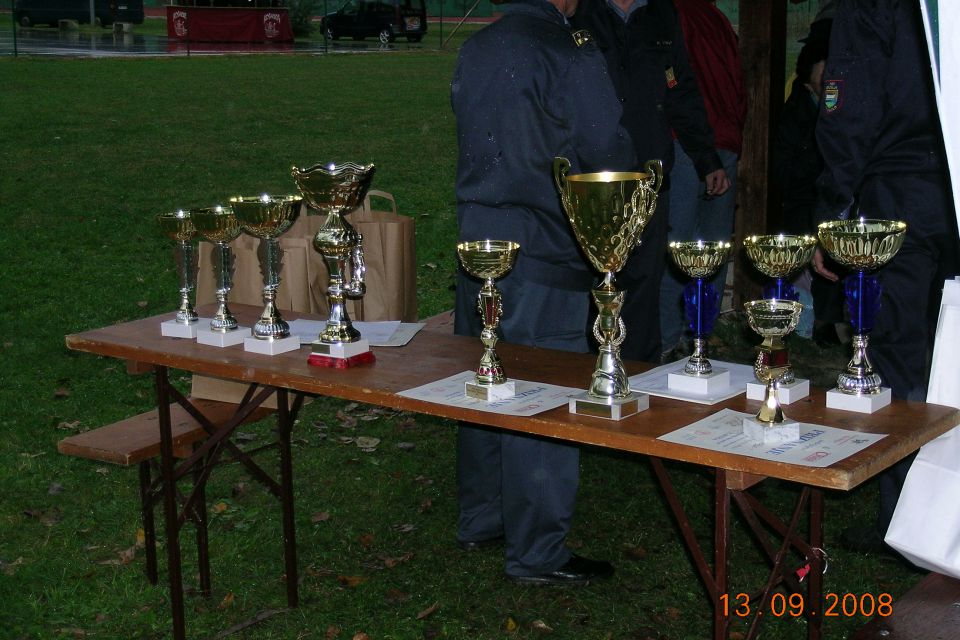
(717, 183)
(820, 269)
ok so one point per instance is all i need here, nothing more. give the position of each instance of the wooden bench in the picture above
(928, 611)
(136, 440)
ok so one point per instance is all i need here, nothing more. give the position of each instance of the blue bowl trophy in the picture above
(862, 245)
(700, 259)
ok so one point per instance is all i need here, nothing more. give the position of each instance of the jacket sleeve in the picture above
(686, 112)
(853, 104)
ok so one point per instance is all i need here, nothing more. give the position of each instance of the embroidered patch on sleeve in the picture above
(832, 94)
(671, 78)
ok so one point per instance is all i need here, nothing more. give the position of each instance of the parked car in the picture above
(383, 19)
(106, 12)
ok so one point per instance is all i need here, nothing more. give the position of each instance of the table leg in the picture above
(721, 545)
(149, 528)
(203, 540)
(170, 511)
(284, 427)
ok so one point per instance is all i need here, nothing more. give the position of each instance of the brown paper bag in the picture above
(389, 255)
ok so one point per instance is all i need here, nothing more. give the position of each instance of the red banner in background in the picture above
(213, 24)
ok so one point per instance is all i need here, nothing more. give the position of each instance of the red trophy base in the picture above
(318, 360)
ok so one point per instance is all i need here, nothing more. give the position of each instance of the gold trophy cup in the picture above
(773, 319)
(336, 190)
(178, 226)
(862, 245)
(700, 259)
(489, 260)
(219, 225)
(267, 218)
(779, 257)
(608, 211)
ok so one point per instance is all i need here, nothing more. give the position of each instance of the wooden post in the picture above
(763, 28)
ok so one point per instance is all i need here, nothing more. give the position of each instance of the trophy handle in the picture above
(560, 168)
(655, 169)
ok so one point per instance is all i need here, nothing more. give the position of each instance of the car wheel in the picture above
(414, 38)
(386, 35)
(25, 21)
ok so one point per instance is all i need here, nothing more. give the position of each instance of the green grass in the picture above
(91, 150)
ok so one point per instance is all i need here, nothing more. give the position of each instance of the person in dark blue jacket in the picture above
(524, 91)
(879, 135)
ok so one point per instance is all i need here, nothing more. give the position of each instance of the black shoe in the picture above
(863, 540)
(480, 545)
(577, 572)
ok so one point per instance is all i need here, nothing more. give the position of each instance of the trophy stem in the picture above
(490, 306)
(609, 378)
(698, 364)
(223, 320)
(270, 325)
(336, 241)
(859, 378)
(187, 266)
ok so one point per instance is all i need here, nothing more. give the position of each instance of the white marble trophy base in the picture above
(616, 409)
(713, 382)
(771, 433)
(271, 347)
(786, 393)
(223, 338)
(490, 392)
(174, 329)
(342, 350)
(864, 403)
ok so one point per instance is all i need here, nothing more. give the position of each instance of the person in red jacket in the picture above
(696, 211)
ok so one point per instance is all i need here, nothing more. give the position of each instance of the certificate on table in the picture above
(532, 397)
(819, 446)
(656, 382)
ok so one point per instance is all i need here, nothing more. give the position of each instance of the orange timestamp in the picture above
(835, 605)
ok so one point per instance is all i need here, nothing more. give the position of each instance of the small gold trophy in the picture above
(779, 257)
(489, 260)
(608, 211)
(773, 319)
(268, 217)
(178, 226)
(700, 260)
(336, 190)
(862, 245)
(219, 225)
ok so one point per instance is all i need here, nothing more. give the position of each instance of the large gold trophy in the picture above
(219, 225)
(863, 245)
(268, 217)
(489, 260)
(773, 319)
(178, 226)
(700, 259)
(608, 211)
(336, 190)
(779, 257)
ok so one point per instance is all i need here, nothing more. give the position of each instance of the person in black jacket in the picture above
(879, 134)
(642, 42)
(524, 91)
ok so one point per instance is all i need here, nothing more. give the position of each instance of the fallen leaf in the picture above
(319, 516)
(220, 507)
(100, 618)
(141, 539)
(360, 635)
(423, 481)
(33, 455)
(332, 632)
(673, 613)
(239, 489)
(369, 418)
(404, 528)
(48, 517)
(142, 304)
(55, 489)
(10, 568)
(347, 422)
(634, 552)
(407, 424)
(227, 601)
(395, 596)
(510, 626)
(368, 444)
(72, 631)
(366, 540)
(350, 406)
(541, 626)
(7, 345)
(351, 581)
(346, 440)
(430, 265)
(244, 437)
(428, 611)
(70, 426)
(318, 572)
(425, 505)
(61, 392)
(102, 471)
(390, 563)
(127, 555)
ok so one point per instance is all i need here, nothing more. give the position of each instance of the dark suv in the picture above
(383, 19)
(106, 12)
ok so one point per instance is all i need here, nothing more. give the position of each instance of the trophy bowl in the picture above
(608, 211)
(178, 226)
(779, 256)
(773, 320)
(336, 189)
(489, 260)
(267, 217)
(219, 225)
(862, 245)
(700, 259)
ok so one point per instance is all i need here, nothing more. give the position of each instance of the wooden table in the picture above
(433, 355)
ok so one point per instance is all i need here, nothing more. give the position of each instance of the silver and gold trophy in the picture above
(489, 260)
(862, 245)
(779, 257)
(178, 226)
(608, 211)
(337, 189)
(773, 319)
(267, 217)
(700, 259)
(220, 226)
